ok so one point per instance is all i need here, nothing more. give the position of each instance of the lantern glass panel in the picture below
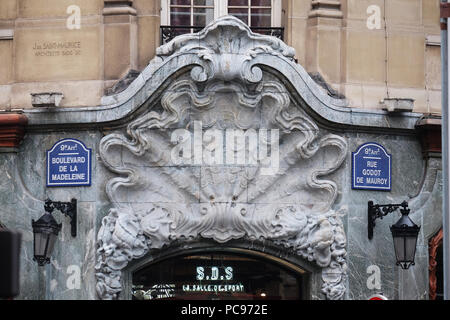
(51, 244)
(399, 247)
(40, 243)
(410, 247)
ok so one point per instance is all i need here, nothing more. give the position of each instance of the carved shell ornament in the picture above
(156, 201)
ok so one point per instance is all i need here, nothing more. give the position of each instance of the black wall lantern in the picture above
(46, 229)
(404, 231)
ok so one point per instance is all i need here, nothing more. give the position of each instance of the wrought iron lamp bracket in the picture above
(67, 208)
(376, 211)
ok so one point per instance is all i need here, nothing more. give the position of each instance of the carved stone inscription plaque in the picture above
(58, 55)
(57, 48)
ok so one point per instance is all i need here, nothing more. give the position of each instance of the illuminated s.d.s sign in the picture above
(214, 279)
(214, 273)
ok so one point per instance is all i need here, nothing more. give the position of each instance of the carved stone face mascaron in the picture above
(155, 202)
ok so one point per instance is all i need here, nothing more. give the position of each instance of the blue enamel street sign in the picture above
(371, 168)
(68, 164)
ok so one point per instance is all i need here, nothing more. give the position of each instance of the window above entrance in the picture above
(189, 16)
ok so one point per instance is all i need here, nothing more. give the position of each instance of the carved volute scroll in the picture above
(156, 201)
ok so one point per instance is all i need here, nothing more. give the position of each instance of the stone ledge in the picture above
(6, 34)
(326, 9)
(397, 104)
(119, 11)
(46, 99)
(119, 7)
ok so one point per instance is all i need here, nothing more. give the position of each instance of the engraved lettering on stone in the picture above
(57, 48)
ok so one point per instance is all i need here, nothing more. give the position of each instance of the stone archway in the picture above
(216, 272)
(157, 200)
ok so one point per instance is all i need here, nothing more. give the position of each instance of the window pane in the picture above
(240, 13)
(204, 3)
(410, 248)
(399, 247)
(238, 3)
(40, 243)
(180, 16)
(180, 2)
(178, 32)
(261, 3)
(203, 16)
(51, 244)
(261, 17)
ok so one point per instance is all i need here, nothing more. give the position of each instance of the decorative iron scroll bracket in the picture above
(67, 208)
(376, 211)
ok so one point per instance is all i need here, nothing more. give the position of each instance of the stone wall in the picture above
(141, 201)
(367, 50)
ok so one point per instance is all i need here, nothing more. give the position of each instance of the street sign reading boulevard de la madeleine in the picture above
(68, 164)
(371, 168)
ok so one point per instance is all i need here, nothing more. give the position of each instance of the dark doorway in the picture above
(218, 276)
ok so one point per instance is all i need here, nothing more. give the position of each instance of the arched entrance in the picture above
(219, 274)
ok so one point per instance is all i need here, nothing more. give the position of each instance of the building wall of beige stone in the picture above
(366, 49)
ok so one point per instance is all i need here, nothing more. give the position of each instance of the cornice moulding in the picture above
(325, 9)
(12, 129)
(6, 34)
(119, 7)
(119, 11)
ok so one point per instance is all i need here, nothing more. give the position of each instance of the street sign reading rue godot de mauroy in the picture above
(371, 167)
(68, 164)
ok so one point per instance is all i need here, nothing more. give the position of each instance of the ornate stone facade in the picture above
(225, 90)
(141, 201)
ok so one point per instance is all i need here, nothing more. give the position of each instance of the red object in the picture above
(429, 131)
(12, 129)
(445, 10)
(378, 297)
(433, 246)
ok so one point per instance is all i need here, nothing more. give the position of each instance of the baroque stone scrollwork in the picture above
(237, 46)
(156, 202)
